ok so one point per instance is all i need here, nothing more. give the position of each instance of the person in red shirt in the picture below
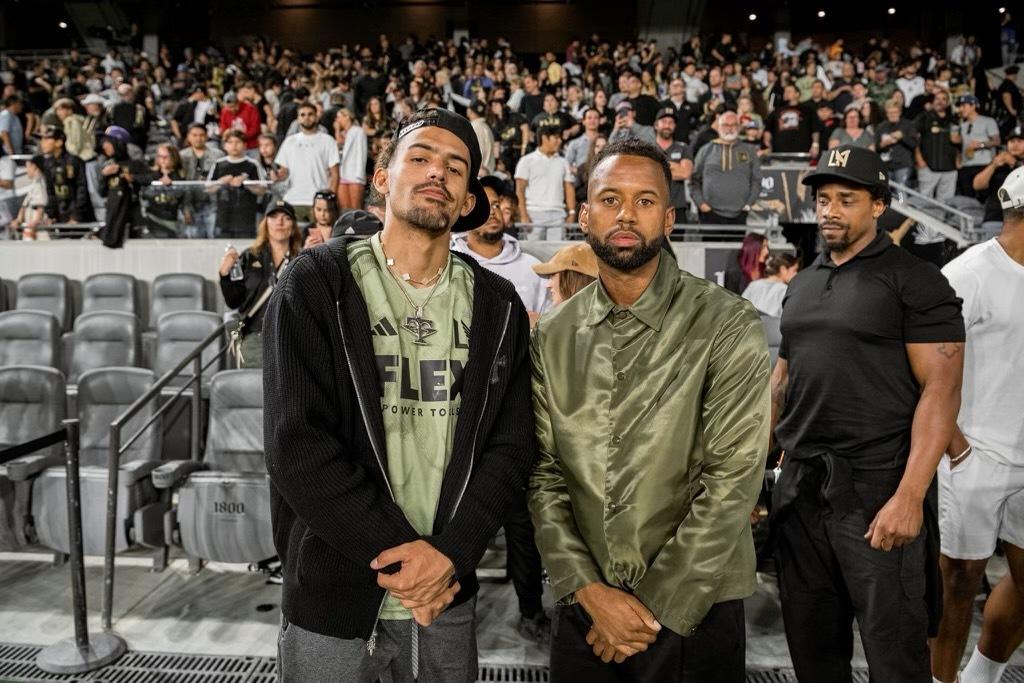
(243, 117)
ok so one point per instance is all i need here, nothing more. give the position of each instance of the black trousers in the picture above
(965, 181)
(714, 654)
(829, 575)
(712, 218)
(523, 559)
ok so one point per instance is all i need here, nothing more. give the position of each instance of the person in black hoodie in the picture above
(119, 183)
(398, 424)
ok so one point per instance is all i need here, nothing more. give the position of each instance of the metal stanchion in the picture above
(80, 653)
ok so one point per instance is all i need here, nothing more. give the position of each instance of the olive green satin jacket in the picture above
(652, 427)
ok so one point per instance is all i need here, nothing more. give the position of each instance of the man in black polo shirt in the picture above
(866, 392)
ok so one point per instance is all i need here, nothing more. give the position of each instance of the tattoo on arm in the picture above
(950, 350)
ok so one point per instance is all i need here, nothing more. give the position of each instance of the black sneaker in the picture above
(274, 576)
(536, 628)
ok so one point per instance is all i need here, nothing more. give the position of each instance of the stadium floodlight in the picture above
(892, 10)
(821, 14)
(63, 24)
(752, 17)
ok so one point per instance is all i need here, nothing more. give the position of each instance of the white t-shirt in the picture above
(308, 159)
(545, 177)
(8, 196)
(991, 285)
(766, 295)
(353, 156)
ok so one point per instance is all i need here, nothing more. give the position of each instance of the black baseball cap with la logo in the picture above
(849, 164)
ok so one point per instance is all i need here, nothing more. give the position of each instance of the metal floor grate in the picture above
(17, 665)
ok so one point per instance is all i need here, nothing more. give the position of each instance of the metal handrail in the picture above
(965, 219)
(116, 449)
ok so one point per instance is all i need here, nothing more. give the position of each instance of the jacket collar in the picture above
(652, 306)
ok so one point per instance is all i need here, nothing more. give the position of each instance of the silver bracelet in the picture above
(967, 451)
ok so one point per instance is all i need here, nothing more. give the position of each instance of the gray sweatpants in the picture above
(940, 185)
(447, 652)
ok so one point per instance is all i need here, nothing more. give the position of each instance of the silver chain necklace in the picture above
(416, 324)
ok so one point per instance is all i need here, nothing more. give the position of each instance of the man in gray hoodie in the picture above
(726, 178)
(501, 254)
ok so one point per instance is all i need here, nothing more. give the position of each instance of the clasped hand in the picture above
(424, 583)
(622, 625)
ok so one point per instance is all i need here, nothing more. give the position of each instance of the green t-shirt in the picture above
(420, 382)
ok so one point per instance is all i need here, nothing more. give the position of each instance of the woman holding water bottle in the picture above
(247, 279)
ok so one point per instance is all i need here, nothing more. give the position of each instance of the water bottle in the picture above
(236, 268)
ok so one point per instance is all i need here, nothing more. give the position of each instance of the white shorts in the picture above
(980, 500)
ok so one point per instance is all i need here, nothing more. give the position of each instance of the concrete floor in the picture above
(227, 610)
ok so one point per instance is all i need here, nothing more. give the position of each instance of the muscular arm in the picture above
(938, 368)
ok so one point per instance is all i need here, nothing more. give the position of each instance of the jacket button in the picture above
(620, 376)
(616, 439)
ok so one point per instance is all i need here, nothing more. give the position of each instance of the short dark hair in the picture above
(305, 105)
(1014, 215)
(234, 134)
(200, 126)
(634, 147)
(499, 186)
(549, 132)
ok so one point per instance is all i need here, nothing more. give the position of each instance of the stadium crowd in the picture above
(261, 142)
(293, 124)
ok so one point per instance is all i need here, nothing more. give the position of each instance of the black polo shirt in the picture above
(851, 391)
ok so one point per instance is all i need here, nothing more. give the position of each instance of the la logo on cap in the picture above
(838, 159)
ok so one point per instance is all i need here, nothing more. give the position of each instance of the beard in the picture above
(490, 236)
(433, 222)
(627, 259)
(837, 242)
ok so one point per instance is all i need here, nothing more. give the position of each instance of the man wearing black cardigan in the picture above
(398, 425)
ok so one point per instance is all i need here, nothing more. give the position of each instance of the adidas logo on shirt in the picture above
(384, 328)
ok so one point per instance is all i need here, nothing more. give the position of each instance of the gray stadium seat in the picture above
(102, 396)
(31, 406)
(46, 292)
(103, 340)
(174, 292)
(177, 334)
(223, 511)
(110, 292)
(772, 334)
(29, 338)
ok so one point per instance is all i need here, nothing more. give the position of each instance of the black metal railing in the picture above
(118, 446)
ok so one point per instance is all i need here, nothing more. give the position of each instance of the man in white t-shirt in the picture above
(544, 185)
(8, 197)
(981, 484)
(309, 160)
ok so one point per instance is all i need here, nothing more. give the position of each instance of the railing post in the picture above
(78, 654)
(197, 403)
(113, 467)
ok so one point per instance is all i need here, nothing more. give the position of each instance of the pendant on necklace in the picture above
(420, 327)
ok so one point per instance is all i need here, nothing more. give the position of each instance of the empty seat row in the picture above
(104, 339)
(222, 508)
(117, 292)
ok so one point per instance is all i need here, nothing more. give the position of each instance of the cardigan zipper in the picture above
(483, 409)
(371, 644)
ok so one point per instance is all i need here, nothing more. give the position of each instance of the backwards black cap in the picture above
(461, 128)
(847, 163)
